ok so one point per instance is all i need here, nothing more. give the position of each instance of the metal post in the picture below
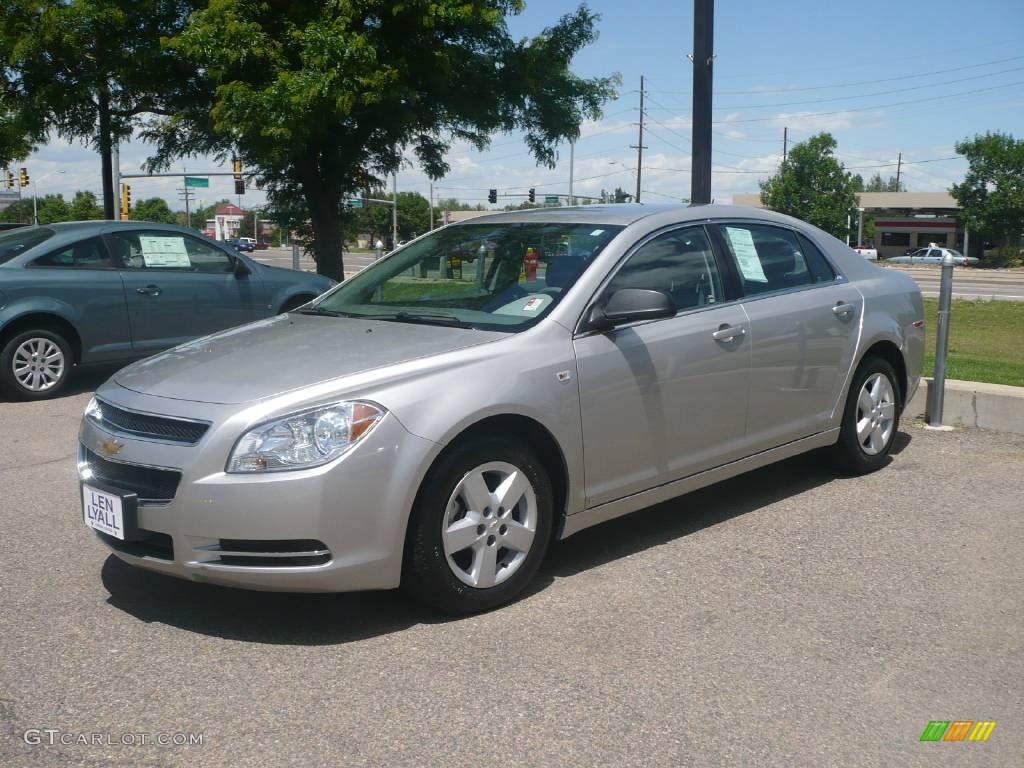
(431, 206)
(572, 159)
(860, 227)
(849, 220)
(966, 242)
(115, 172)
(35, 209)
(295, 255)
(640, 144)
(394, 211)
(703, 60)
(941, 342)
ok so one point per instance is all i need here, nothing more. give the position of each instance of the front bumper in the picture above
(334, 528)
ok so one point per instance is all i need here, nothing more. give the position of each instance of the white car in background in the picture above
(871, 254)
(933, 255)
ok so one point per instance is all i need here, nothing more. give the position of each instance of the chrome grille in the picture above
(268, 553)
(148, 426)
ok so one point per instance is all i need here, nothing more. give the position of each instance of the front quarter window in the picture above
(490, 276)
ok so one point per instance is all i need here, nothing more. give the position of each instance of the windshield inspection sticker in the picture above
(533, 304)
(164, 251)
(746, 254)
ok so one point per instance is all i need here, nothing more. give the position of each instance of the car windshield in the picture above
(17, 242)
(491, 276)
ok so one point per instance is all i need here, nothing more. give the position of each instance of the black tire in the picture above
(426, 573)
(9, 381)
(849, 455)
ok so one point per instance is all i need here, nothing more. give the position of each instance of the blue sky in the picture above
(883, 77)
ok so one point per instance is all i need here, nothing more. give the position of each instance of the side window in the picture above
(767, 258)
(158, 250)
(85, 254)
(821, 270)
(679, 263)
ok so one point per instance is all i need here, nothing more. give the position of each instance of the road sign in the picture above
(196, 181)
(551, 200)
(355, 202)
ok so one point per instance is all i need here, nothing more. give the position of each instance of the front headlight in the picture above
(305, 439)
(93, 410)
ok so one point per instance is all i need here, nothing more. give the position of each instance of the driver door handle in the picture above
(842, 308)
(728, 333)
(149, 290)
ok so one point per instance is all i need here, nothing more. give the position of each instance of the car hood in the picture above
(286, 352)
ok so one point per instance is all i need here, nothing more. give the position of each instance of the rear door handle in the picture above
(728, 333)
(842, 308)
(149, 290)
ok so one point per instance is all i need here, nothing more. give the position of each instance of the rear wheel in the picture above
(870, 420)
(35, 364)
(480, 529)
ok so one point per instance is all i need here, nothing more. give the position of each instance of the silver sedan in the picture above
(438, 420)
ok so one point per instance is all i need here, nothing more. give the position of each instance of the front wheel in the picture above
(35, 364)
(480, 529)
(870, 420)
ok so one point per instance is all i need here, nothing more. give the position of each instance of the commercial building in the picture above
(903, 220)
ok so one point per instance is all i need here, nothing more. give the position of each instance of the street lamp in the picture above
(35, 193)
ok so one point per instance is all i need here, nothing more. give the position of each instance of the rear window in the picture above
(17, 242)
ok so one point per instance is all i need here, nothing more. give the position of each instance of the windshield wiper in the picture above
(318, 311)
(425, 318)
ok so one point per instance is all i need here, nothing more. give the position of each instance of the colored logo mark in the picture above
(958, 730)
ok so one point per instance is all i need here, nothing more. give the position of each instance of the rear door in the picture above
(804, 329)
(179, 287)
(81, 275)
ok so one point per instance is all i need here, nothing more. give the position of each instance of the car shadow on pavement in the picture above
(328, 619)
(84, 380)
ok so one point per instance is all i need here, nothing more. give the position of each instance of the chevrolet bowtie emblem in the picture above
(111, 447)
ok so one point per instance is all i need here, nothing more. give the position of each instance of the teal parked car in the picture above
(104, 292)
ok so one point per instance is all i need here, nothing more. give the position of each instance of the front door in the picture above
(178, 288)
(664, 399)
(804, 327)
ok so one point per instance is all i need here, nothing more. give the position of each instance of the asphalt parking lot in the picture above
(784, 618)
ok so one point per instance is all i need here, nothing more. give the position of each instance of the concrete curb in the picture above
(972, 404)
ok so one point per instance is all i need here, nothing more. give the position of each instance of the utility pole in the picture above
(639, 146)
(572, 152)
(785, 143)
(703, 60)
(899, 167)
(431, 206)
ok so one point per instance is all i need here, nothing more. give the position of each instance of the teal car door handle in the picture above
(149, 290)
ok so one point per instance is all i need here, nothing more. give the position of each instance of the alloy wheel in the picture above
(38, 364)
(876, 414)
(489, 524)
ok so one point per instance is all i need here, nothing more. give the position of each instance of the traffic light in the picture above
(126, 202)
(236, 166)
(239, 187)
(8, 178)
(23, 177)
(533, 195)
(492, 196)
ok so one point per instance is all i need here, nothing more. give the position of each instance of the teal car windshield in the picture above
(501, 277)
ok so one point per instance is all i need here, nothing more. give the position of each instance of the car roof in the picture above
(624, 214)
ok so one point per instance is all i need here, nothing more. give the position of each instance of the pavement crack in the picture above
(37, 464)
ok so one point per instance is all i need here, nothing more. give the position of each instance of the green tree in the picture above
(154, 209)
(877, 184)
(18, 212)
(314, 96)
(813, 185)
(992, 192)
(84, 207)
(52, 209)
(88, 70)
(201, 215)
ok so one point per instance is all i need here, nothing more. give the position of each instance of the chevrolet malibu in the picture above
(437, 421)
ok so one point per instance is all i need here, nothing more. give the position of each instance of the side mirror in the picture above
(241, 269)
(627, 305)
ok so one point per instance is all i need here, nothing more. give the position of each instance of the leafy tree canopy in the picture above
(813, 185)
(320, 100)
(877, 184)
(992, 192)
(84, 207)
(154, 209)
